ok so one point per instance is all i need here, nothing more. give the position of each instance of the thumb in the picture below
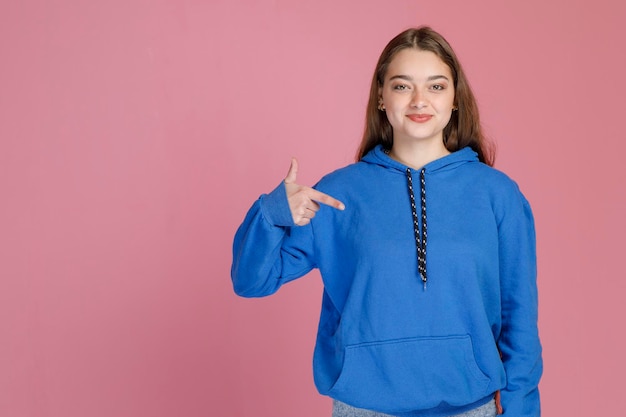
(293, 171)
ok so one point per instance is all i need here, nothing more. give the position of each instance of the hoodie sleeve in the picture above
(269, 249)
(519, 341)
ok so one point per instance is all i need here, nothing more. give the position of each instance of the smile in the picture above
(420, 118)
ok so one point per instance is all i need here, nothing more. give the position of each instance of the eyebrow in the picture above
(409, 78)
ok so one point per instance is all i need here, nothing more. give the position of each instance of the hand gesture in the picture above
(304, 201)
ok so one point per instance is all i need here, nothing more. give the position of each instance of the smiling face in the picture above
(418, 96)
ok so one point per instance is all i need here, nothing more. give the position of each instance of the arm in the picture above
(519, 341)
(270, 248)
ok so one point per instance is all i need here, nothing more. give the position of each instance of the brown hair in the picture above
(462, 130)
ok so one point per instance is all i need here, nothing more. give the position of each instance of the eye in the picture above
(438, 87)
(401, 87)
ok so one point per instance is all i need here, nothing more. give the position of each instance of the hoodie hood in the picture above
(379, 156)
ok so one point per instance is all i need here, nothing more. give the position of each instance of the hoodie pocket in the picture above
(411, 374)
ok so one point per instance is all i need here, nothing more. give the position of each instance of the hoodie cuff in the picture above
(275, 207)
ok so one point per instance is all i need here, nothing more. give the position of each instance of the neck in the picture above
(415, 155)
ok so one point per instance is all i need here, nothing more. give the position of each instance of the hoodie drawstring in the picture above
(420, 236)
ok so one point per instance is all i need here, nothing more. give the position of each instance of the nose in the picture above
(419, 99)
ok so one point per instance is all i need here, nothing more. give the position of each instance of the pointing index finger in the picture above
(320, 197)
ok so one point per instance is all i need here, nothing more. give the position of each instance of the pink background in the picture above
(134, 135)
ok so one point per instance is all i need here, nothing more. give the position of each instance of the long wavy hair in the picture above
(464, 127)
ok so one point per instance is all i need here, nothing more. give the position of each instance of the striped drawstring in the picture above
(420, 236)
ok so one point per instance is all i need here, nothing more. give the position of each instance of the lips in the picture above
(420, 118)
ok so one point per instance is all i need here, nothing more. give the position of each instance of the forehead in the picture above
(417, 63)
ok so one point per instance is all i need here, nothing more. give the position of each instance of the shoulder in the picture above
(502, 191)
(345, 176)
(494, 180)
(507, 199)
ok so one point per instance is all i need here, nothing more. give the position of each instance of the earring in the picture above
(455, 108)
(381, 106)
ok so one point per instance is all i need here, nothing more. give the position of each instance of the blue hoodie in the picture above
(391, 337)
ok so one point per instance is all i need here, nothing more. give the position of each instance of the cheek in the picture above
(446, 105)
(446, 121)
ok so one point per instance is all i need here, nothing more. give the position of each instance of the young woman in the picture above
(427, 254)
